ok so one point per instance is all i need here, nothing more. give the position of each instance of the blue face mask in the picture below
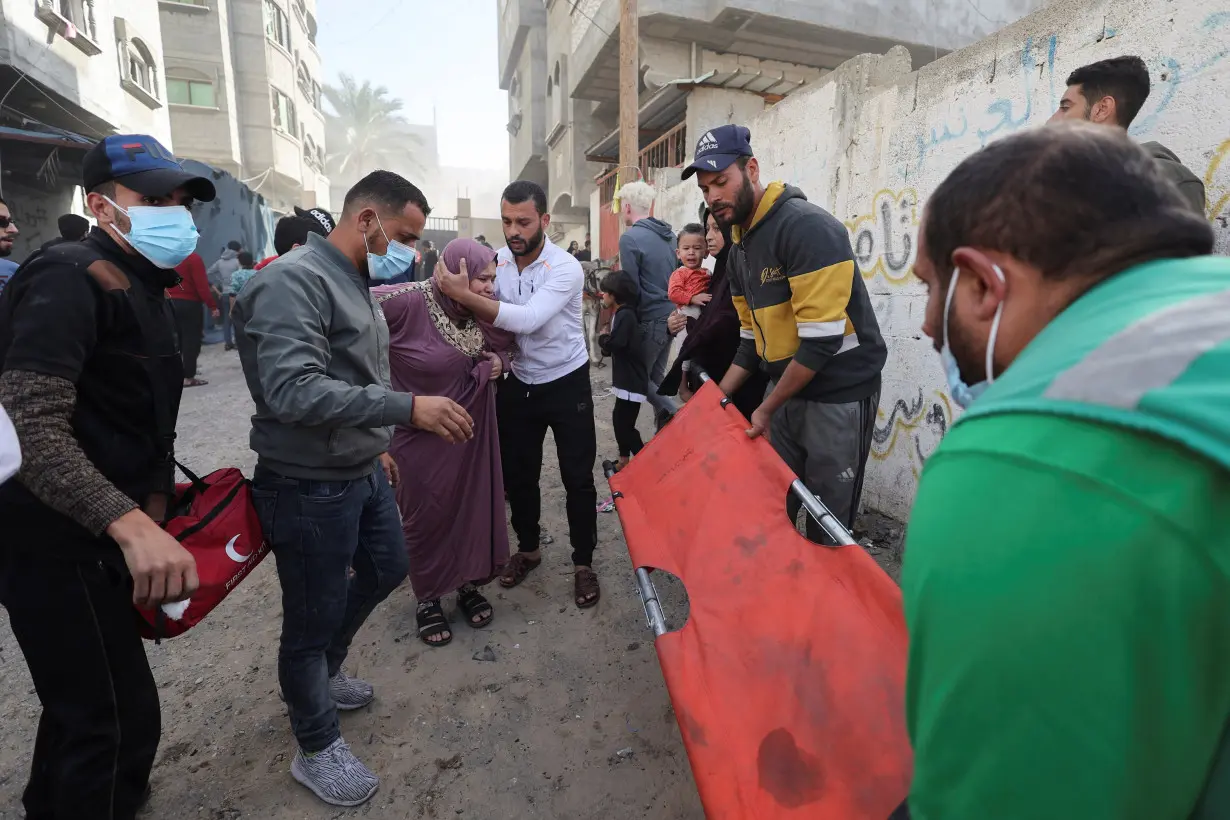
(165, 236)
(395, 261)
(966, 394)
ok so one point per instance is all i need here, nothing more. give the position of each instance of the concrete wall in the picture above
(873, 139)
(37, 212)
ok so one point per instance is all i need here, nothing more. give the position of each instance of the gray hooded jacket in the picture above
(315, 353)
(220, 272)
(647, 254)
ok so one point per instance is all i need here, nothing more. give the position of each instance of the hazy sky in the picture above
(426, 52)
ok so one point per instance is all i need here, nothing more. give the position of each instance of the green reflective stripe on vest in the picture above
(1149, 354)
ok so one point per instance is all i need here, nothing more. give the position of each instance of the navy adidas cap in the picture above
(718, 147)
(140, 162)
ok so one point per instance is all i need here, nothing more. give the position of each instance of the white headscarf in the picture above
(10, 450)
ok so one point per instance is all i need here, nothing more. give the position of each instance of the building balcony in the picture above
(517, 19)
(820, 34)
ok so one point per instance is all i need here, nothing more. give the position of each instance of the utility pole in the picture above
(629, 97)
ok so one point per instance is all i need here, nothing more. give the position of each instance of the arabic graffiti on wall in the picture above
(884, 238)
(916, 425)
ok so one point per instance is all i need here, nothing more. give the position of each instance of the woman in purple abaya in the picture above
(451, 496)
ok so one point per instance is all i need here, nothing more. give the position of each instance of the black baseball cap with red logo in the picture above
(140, 162)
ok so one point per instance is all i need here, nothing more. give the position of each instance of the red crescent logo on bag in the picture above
(233, 553)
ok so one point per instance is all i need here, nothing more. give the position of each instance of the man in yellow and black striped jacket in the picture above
(806, 320)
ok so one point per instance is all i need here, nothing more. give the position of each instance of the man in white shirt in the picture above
(538, 285)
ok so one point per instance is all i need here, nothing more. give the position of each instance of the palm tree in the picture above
(366, 131)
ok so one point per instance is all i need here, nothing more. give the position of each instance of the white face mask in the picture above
(965, 394)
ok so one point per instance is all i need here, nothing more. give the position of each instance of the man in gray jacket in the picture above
(219, 275)
(647, 254)
(315, 353)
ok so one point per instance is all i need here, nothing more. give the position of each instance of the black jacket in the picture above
(113, 337)
(629, 371)
(1189, 185)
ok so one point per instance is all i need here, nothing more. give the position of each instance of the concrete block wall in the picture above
(873, 139)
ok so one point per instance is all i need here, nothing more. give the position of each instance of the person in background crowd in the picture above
(647, 254)
(431, 257)
(806, 320)
(451, 497)
(322, 216)
(190, 298)
(73, 228)
(293, 231)
(482, 240)
(539, 287)
(574, 248)
(1083, 326)
(94, 403)
(584, 255)
(8, 232)
(629, 374)
(220, 280)
(240, 277)
(1112, 92)
(713, 338)
(316, 360)
(689, 284)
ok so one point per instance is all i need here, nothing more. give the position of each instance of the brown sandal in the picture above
(587, 585)
(518, 567)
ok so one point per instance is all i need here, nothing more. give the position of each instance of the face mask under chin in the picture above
(962, 393)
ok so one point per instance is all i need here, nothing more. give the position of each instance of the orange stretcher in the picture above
(788, 680)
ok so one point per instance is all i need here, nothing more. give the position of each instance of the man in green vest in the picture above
(1067, 569)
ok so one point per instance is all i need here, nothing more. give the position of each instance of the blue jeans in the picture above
(318, 531)
(656, 344)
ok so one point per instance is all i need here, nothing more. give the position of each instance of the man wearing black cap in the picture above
(806, 321)
(91, 376)
(293, 231)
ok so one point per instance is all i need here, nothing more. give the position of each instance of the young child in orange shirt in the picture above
(689, 285)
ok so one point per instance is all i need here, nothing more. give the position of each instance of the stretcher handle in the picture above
(814, 506)
(654, 616)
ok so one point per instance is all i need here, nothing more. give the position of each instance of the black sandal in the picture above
(473, 604)
(431, 621)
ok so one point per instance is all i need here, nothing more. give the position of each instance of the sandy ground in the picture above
(571, 719)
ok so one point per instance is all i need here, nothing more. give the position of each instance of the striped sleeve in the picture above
(820, 269)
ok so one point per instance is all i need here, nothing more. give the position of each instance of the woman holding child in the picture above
(713, 336)
(451, 496)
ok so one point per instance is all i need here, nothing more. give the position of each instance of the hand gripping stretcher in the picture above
(788, 680)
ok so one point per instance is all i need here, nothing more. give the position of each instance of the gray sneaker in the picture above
(350, 693)
(335, 775)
